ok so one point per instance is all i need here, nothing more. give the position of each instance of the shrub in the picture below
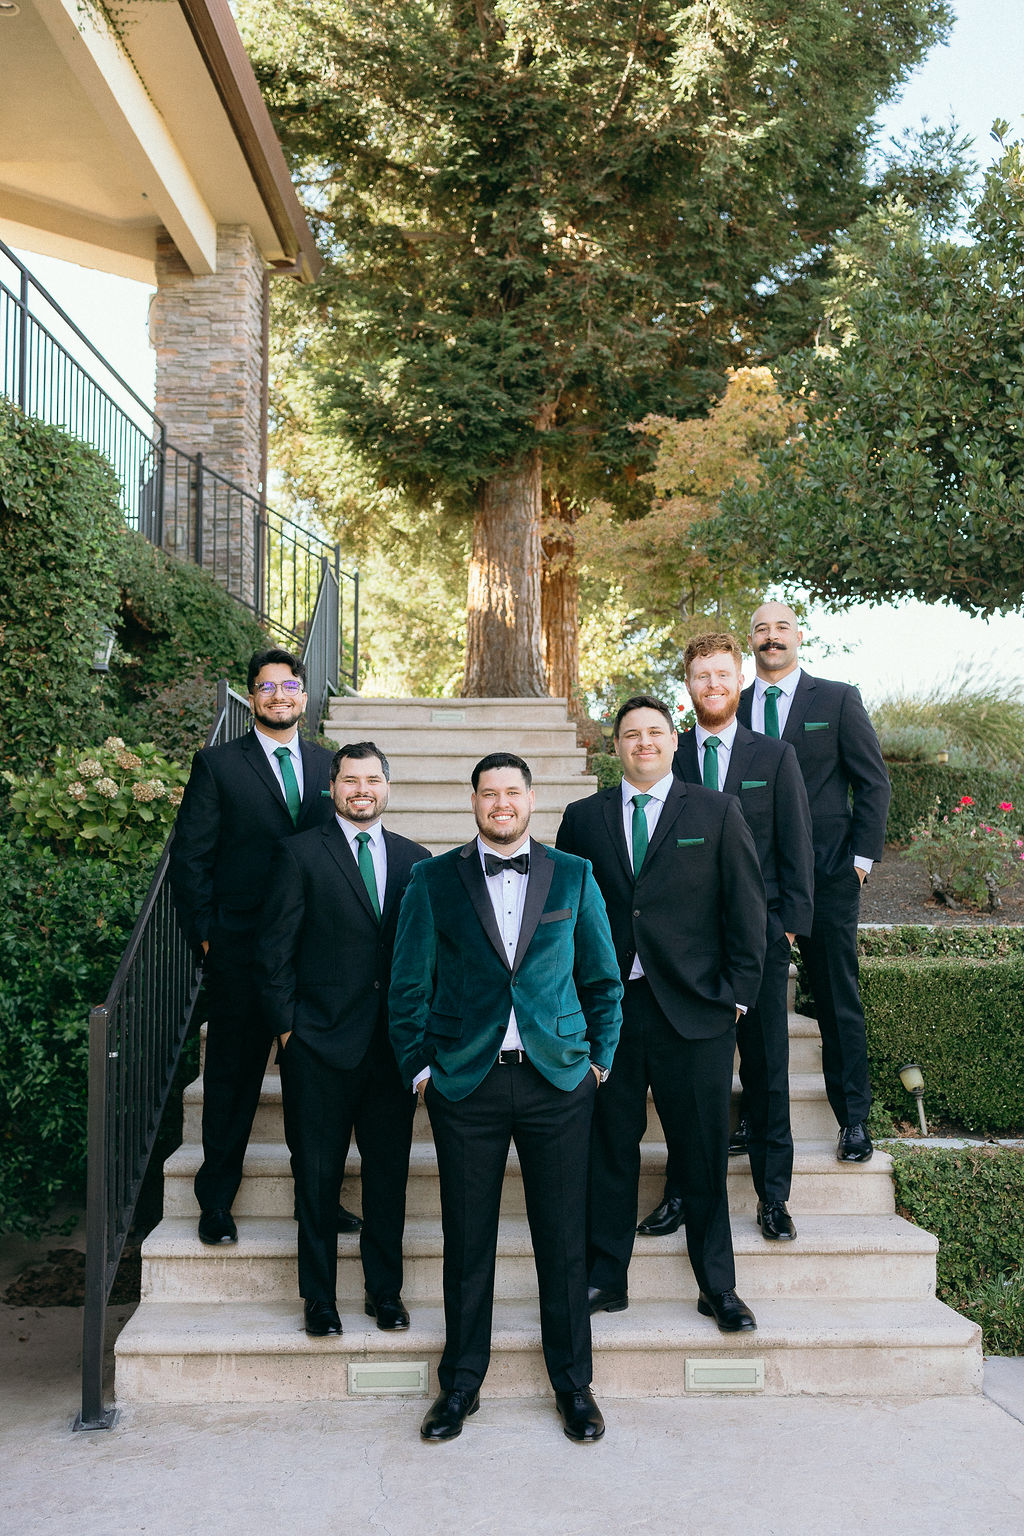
(967, 858)
(61, 536)
(962, 1020)
(608, 770)
(984, 942)
(113, 800)
(918, 787)
(974, 713)
(63, 924)
(971, 1198)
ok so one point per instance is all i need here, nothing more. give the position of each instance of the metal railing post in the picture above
(197, 554)
(355, 631)
(23, 340)
(93, 1414)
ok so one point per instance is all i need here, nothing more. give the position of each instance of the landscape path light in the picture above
(913, 1081)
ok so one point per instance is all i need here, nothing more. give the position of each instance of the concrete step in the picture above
(870, 1257)
(820, 1183)
(550, 794)
(471, 738)
(510, 713)
(256, 1351)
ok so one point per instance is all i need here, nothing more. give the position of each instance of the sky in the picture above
(885, 650)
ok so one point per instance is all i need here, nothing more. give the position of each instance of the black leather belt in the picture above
(511, 1058)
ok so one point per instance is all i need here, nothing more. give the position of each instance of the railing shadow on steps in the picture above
(136, 1035)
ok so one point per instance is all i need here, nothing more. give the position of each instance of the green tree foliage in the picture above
(907, 478)
(545, 221)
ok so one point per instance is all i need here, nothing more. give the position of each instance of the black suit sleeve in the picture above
(197, 832)
(280, 930)
(865, 768)
(794, 846)
(744, 906)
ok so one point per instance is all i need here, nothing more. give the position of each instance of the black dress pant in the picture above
(763, 1040)
(829, 953)
(550, 1128)
(238, 1044)
(691, 1082)
(325, 1104)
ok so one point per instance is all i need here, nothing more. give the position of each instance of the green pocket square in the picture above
(688, 842)
(754, 784)
(815, 725)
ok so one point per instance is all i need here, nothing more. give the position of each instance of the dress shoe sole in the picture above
(449, 1434)
(398, 1326)
(217, 1242)
(742, 1325)
(323, 1333)
(663, 1229)
(619, 1305)
(776, 1237)
(582, 1439)
(854, 1157)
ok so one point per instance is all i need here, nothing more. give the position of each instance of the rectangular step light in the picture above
(724, 1375)
(388, 1378)
(447, 717)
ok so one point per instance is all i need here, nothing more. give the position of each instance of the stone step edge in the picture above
(265, 1328)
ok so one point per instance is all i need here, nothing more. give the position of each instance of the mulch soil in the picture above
(60, 1280)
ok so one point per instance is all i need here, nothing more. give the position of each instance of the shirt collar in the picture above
(503, 853)
(657, 791)
(351, 831)
(725, 737)
(787, 683)
(270, 744)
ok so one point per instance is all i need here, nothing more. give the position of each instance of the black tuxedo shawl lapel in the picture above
(257, 760)
(674, 802)
(616, 830)
(337, 846)
(472, 875)
(803, 698)
(538, 884)
(744, 747)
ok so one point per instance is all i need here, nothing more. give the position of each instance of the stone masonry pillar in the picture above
(208, 337)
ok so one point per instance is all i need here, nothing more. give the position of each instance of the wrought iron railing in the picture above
(265, 560)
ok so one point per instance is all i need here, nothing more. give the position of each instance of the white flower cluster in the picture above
(77, 791)
(107, 788)
(89, 768)
(147, 790)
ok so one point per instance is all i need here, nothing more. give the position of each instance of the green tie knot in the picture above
(641, 800)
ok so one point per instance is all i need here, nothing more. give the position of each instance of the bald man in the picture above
(848, 792)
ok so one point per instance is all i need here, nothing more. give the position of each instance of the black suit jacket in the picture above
(838, 753)
(231, 816)
(765, 777)
(697, 914)
(324, 959)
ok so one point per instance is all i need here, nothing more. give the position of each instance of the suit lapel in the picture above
(337, 846)
(686, 759)
(542, 869)
(803, 696)
(612, 809)
(472, 875)
(399, 865)
(257, 760)
(674, 802)
(744, 747)
(310, 792)
(746, 705)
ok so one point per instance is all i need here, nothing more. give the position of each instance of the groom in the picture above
(504, 1014)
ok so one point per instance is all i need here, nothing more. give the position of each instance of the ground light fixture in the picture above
(912, 1079)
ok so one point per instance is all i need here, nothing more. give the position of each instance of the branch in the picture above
(617, 103)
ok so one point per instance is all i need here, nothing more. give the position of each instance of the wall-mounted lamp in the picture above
(104, 650)
(913, 1081)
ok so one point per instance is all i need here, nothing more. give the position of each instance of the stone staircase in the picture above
(849, 1309)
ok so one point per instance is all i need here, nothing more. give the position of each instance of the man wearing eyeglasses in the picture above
(241, 799)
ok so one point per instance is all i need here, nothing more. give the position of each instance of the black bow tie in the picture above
(495, 865)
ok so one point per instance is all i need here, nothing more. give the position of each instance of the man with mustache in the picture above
(765, 777)
(848, 793)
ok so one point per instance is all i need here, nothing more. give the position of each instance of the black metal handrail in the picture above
(267, 561)
(137, 1033)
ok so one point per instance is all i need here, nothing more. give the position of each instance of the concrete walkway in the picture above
(683, 1467)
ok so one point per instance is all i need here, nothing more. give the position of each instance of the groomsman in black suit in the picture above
(678, 870)
(326, 940)
(841, 762)
(241, 799)
(765, 777)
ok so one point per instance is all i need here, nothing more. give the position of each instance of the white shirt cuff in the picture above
(420, 1077)
(859, 862)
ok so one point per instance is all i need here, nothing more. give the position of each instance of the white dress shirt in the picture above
(652, 810)
(270, 745)
(726, 738)
(376, 845)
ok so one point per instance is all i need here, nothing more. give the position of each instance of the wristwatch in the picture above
(603, 1073)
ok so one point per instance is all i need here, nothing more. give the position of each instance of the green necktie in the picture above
(771, 712)
(711, 746)
(639, 832)
(367, 871)
(291, 783)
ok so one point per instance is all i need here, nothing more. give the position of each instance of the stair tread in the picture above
(275, 1327)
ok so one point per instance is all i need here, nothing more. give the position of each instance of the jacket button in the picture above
(636, 911)
(376, 986)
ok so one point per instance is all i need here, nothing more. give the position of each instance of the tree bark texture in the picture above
(503, 647)
(559, 602)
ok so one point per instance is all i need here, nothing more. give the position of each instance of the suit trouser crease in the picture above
(327, 1104)
(472, 1136)
(237, 1048)
(763, 1040)
(829, 953)
(691, 1084)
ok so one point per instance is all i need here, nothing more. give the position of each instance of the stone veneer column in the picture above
(207, 332)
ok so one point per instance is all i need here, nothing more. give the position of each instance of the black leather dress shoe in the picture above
(854, 1144)
(348, 1221)
(666, 1218)
(581, 1417)
(448, 1412)
(731, 1314)
(321, 1318)
(217, 1227)
(388, 1310)
(775, 1221)
(606, 1301)
(740, 1137)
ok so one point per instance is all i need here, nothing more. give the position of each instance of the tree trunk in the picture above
(559, 602)
(503, 654)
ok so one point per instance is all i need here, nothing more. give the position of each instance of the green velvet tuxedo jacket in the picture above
(452, 987)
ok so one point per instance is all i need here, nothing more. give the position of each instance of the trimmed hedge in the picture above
(916, 786)
(984, 941)
(962, 1020)
(972, 1199)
